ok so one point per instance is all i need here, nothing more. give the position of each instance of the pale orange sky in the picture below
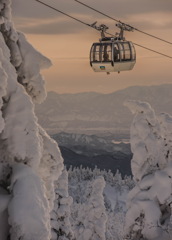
(67, 43)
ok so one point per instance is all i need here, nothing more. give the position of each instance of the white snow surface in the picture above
(60, 216)
(116, 197)
(20, 132)
(30, 161)
(98, 194)
(29, 70)
(92, 219)
(4, 201)
(51, 165)
(145, 140)
(150, 201)
(28, 209)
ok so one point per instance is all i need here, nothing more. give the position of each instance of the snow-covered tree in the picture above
(51, 165)
(115, 225)
(96, 220)
(81, 183)
(28, 216)
(91, 217)
(30, 161)
(149, 214)
(60, 216)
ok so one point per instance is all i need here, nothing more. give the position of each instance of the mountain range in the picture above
(91, 150)
(97, 113)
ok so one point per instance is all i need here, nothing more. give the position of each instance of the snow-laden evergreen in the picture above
(149, 214)
(91, 219)
(51, 165)
(94, 225)
(29, 71)
(60, 216)
(100, 194)
(28, 208)
(30, 161)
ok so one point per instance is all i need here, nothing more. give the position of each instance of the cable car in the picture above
(112, 54)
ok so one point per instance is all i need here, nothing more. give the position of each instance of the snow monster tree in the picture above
(149, 215)
(30, 161)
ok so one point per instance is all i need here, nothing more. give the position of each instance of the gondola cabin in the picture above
(111, 55)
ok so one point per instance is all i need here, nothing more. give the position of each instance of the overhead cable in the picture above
(112, 35)
(78, 20)
(90, 25)
(116, 20)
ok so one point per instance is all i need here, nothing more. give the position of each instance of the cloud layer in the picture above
(33, 18)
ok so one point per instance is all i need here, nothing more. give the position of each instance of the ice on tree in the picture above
(114, 194)
(5, 198)
(29, 70)
(150, 201)
(30, 161)
(60, 216)
(24, 57)
(20, 133)
(94, 225)
(51, 164)
(3, 85)
(144, 138)
(28, 209)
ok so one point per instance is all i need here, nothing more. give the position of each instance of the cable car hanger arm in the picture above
(149, 49)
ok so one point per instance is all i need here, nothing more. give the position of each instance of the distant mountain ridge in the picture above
(99, 113)
(91, 144)
(90, 151)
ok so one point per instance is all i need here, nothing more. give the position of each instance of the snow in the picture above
(150, 201)
(94, 225)
(28, 209)
(20, 131)
(29, 70)
(4, 201)
(51, 164)
(34, 183)
(145, 140)
(3, 85)
(60, 216)
(30, 161)
(116, 197)
(89, 201)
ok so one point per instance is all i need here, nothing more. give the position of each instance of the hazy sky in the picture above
(67, 43)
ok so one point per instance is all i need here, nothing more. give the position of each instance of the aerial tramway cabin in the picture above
(112, 55)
